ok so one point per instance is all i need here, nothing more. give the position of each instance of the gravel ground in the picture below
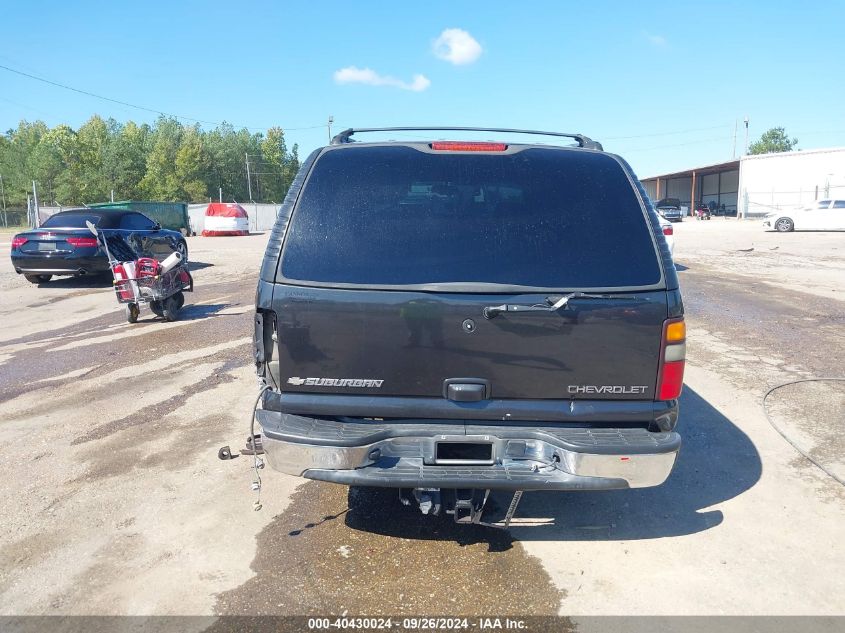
(110, 434)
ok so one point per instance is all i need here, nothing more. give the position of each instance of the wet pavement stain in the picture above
(30, 365)
(157, 411)
(323, 557)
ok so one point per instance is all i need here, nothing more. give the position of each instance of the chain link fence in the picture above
(262, 216)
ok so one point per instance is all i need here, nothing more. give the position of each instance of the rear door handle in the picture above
(466, 389)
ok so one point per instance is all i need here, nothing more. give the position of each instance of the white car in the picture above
(668, 231)
(822, 215)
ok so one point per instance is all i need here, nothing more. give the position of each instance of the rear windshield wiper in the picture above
(552, 304)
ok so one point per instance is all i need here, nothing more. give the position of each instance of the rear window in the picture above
(76, 221)
(397, 216)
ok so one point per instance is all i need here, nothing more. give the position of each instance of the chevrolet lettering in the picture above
(607, 389)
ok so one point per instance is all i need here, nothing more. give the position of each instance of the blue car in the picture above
(63, 245)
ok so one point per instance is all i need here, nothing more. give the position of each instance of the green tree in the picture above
(773, 140)
(16, 164)
(227, 164)
(159, 181)
(125, 160)
(165, 161)
(192, 166)
(228, 150)
(275, 157)
(89, 177)
(291, 167)
(51, 163)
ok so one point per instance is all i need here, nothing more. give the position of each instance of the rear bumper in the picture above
(403, 454)
(59, 264)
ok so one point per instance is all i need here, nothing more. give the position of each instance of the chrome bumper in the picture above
(522, 458)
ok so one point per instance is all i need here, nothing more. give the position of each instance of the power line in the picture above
(699, 142)
(139, 107)
(700, 129)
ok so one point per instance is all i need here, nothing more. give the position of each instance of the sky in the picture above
(665, 85)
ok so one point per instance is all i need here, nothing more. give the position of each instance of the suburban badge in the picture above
(335, 382)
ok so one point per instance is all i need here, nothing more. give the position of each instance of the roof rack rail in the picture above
(346, 135)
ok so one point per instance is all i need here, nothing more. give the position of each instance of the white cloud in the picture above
(355, 75)
(656, 40)
(457, 46)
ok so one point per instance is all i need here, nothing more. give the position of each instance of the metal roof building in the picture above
(718, 183)
(756, 185)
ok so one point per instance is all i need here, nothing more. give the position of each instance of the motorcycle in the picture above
(703, 212)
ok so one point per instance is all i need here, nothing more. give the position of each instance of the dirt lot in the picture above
(116, 502)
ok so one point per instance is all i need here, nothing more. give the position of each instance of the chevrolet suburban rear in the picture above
(469, 316)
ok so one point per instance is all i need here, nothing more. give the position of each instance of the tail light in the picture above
(464, 146)
(668, 230)
(673, 353)
(266, 347)
(18, 241)
(82, 242)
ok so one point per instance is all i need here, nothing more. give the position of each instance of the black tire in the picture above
(38, 279)
(170, 308)
(132, 312)
(784, 225)
(156, 308)
(180, 299)
(182, 249)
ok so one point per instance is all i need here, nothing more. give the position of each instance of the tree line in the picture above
(165, 161)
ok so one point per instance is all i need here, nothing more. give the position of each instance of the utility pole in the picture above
(112, 195)
(35, 218)
(733, 151)
(331, 120)
(220, 193)
(746, 135)
(3, 190)
(248, 179)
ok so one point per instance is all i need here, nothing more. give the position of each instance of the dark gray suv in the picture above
(469, 316)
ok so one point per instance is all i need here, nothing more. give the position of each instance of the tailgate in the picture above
(409, 344)
(393, 252)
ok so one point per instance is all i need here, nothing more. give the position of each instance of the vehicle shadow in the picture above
(187, 313)
(192, 265)
(717, 462)
(195, 312)
(378, 511)
(100, 280)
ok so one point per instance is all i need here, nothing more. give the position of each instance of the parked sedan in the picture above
(63, 245)
(671, 209)
(822, 215)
